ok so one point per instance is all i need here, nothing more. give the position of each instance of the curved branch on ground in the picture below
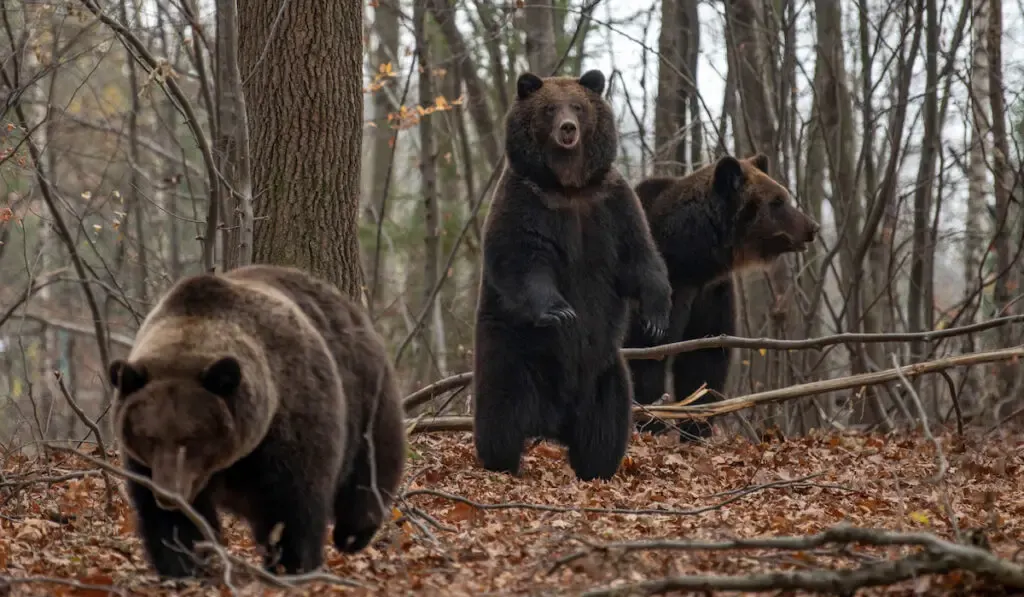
(707, 411)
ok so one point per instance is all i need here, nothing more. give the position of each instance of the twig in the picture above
(707, 411)
(843, 582)
(108, 486)
(954, 395)
(34, 285)
(210, 541)
(26, 480)
(64, 233)
(939, 556)
(741, 493)
(422, 317)
(75, 585)
(723, 341)
(940, 457)
(164, 74)
(666, 350)
(112, 337)
(428, 393)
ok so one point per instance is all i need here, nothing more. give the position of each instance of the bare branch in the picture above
(772, 396)
(939, 556)
(210, 542)
(664, 350)
(109, 487)
(162, 71)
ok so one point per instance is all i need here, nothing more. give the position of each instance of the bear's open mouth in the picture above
(567, 140)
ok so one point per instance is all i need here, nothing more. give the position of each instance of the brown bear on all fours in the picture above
(256, 391)
(565, 248)
(720, 219)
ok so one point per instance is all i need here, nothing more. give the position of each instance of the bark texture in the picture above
(678, 45)
(539, 25)
(303, 84)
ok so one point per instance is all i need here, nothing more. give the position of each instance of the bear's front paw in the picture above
(655, 327)
(352, 540)
(560, 313)
(654, 315)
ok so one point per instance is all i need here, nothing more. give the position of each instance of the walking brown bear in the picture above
(266, 392)
(723, 218)
(565, 247)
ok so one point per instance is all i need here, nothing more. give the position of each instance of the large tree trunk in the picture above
(232, 142)
(539, 25)
(488, 130)
(1004, 182)
(431, 209)
(383, 137)
(920, 308)
(677, 47)
(975, 216)
(305, 102)
(40, 128)
(977, 166)
(876, 282)
(134, 192)
(763, 312)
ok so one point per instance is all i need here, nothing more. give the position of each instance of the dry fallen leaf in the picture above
(866, 479)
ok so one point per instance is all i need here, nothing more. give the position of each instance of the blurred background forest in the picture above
(124, 166)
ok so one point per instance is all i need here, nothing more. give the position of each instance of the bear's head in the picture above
(766, 223)
(560, 132)
(184, 418)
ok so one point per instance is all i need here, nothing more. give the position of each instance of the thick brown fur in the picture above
(721, 219)
(256, 391)
(566, 247)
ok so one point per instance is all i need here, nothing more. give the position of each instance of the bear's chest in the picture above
(589, 238)
(589, 242)
(585, 228)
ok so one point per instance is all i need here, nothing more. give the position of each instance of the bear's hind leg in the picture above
(648, 378)
(362, 502)
(507, 409)
(712, 315)
(168, 536)
(598, 435)
(689, 372)
(301, 508)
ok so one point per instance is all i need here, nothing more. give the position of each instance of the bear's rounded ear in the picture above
(728, 176)
(126, 378)
(593, 80)
(759, 161)
(528, 84)
(222, 377)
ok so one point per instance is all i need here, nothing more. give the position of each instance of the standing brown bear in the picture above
(722, 218)
(565, 248)
(267, 392)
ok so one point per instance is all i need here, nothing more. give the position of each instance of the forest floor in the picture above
(441, 544)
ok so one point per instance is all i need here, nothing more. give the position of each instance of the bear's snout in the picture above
(811, 230)
(568, 134)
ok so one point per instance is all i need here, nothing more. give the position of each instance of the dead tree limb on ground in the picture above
(730, 405)
(937, 556)
(460, 380)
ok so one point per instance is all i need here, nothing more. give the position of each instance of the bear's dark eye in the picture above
(550, 109)
(577, 107)
(778, 202)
